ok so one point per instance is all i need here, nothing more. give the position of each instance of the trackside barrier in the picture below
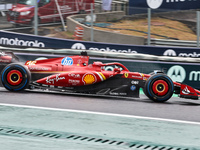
(134, 56)
(163, 42)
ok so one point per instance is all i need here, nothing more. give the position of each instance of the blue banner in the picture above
(166, 4)
(25, 40)
(136, 5)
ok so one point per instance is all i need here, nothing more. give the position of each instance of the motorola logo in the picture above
(169, 52)
(78, 46)
(154, 4)
(177, 73)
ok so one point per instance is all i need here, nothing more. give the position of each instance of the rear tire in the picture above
(159, 88)
(15, 77)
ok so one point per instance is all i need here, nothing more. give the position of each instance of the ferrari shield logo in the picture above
(126, 75)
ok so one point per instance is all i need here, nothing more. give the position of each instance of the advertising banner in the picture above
(166, 4)
(23, 40)
(163, 5)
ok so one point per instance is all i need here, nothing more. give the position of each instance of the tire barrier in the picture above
(78, 33)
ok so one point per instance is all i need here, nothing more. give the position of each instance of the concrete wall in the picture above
(104, 36)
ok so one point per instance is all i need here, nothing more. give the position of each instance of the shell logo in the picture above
(89, 78)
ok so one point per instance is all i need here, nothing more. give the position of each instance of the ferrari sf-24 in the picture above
(74, 74)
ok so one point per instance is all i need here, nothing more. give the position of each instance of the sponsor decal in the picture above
(126, 75)
(53, 80)
(171, 52)
(39, 68)
(73, 75)
(17, 42)
(136, 77)
(78, 46)
(74, 82)
(177, 73)
(4, 61)
(31, 62)
(114, 93)
(79, 61)
(154, 4)
(134, 82)
(194, 76)
(68, 61)
(186, 91)
(107, 49)
(133, 88)
(89, 78)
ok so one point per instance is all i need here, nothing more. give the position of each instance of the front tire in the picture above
(159, 88)
(15, 77)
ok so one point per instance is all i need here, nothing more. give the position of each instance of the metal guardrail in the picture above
(133, 56)
(178, 43)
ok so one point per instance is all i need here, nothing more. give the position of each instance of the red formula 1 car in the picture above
(73, 74)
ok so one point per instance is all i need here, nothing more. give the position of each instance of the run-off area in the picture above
(25, 127)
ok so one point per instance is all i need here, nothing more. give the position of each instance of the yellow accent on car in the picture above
(102, 75)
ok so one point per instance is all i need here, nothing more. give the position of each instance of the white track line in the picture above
(100, 113)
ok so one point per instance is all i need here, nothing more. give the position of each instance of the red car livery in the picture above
(73, 74)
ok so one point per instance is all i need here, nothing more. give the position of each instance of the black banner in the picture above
(15, 39)
(161, 5)
(166, 4)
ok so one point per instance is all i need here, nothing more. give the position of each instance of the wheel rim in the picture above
(160, 88)
(14, 77)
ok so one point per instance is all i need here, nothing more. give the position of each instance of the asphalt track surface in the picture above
(28, 117)
(175, 108)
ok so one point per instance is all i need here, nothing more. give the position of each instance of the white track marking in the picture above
(100, 113)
